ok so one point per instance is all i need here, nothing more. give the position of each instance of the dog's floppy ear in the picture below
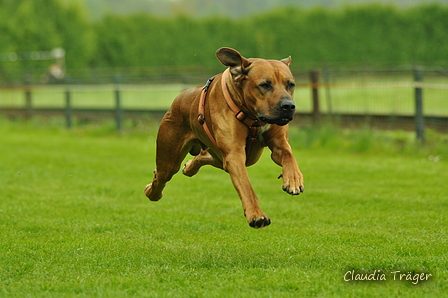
(233, 59)
(287, 61)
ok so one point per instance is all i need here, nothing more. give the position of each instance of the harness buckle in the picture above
(253, 133)
(209, 81)
(201, 118)
(241, 116)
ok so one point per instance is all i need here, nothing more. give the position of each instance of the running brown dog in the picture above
(241, 111)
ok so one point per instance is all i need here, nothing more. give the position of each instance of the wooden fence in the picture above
(322, 106)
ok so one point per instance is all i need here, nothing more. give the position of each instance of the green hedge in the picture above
(373, 34)
(354, 34)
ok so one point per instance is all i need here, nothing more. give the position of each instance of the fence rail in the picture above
(415, 99)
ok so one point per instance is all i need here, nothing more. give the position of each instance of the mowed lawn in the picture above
(74, 222)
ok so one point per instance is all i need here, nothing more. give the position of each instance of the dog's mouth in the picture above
(279, 121)
(281, 114)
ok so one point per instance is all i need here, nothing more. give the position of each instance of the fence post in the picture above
(419, 117)
(118, 109)
(326, 74)
(314, 77)
(28, 98)
(68, 109)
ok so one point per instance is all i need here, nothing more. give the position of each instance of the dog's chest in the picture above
(262, 130)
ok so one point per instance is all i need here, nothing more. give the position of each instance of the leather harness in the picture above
(253, 125)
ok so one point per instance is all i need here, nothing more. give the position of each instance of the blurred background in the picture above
(369, 58)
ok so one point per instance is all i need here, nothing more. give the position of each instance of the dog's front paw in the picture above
(293, 184)
(258, 221)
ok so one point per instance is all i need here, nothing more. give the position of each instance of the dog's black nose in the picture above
(287, 105)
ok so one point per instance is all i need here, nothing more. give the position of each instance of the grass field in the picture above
(74, 221)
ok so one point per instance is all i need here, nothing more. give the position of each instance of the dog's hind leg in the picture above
(173, 144)
(192, 166)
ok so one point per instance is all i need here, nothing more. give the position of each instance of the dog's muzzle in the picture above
(282, 114)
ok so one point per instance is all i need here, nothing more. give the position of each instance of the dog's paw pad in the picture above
(294, 191)
(261, 222)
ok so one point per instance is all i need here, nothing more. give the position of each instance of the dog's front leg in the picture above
(292, 177)
(234, 164)
(282, 155)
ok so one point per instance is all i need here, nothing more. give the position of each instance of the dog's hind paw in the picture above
(188, 170)
(260, 222)
(149, 192)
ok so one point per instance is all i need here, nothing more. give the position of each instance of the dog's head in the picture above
(267, 86)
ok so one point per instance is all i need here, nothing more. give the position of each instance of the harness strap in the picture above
(239, 114)
(201, 116)
(253, 125)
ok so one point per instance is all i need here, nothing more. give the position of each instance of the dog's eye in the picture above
(266, 86)
(291, 85)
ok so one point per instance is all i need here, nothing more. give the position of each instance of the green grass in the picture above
(74, 221)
